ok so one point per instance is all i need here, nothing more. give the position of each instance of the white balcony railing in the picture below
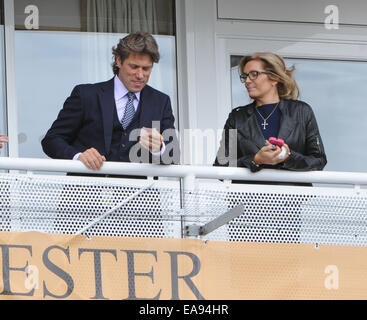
(186, 171)
(51, 203)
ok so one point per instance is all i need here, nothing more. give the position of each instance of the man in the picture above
(106, 121)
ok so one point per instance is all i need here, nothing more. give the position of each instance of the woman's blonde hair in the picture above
(287, 85)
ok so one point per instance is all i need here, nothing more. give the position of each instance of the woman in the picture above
(275, 112)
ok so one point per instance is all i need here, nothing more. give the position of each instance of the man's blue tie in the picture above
(129, 110)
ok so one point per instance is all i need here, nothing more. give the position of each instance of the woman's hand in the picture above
(269, 154)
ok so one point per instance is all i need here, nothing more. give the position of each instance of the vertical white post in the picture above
(11, 98)
(11, 107)
(188, 199)
(183, 78)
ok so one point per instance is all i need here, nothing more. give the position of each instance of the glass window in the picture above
(51, 60)
(335, 91)
(156, 17)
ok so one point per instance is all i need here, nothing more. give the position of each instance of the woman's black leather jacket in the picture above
(298, 128)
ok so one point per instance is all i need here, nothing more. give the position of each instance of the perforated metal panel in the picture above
(283, 213)
(67, 204)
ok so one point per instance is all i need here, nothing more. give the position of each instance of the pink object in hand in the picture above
(278, 142)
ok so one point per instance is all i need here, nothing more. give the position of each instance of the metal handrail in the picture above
(185, 171)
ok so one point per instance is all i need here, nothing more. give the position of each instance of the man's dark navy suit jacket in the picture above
(86, 120)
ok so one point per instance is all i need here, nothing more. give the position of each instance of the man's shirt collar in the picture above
(121, 91)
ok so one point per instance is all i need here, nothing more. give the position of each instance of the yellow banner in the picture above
(48, 266)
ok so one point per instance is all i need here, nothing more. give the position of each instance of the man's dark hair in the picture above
(139, 42)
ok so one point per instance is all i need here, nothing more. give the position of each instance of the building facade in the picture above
(48, 47)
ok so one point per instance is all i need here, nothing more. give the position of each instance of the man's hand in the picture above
(92, 159)
(151, 139)
(3, 138)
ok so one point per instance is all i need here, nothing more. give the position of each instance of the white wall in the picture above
(198, 105)
(351, 11)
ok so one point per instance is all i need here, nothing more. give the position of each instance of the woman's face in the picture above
(261, 88)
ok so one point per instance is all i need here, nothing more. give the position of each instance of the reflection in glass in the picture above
(109, 16)
(126, 16)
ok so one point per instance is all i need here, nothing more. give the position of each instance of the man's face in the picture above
(135, 71)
